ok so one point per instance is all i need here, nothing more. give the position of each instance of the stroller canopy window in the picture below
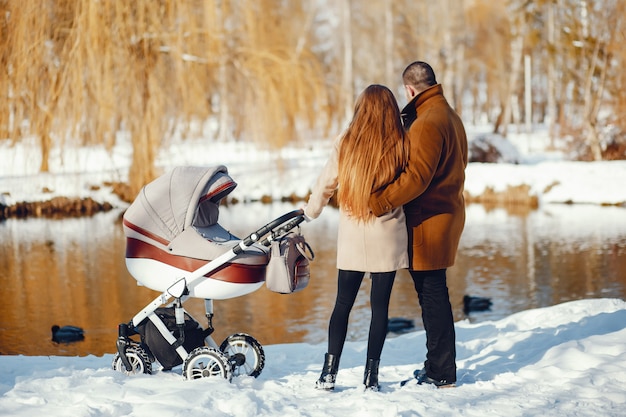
(186, 196)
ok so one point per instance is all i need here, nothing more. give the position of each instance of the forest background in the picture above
(273, 72)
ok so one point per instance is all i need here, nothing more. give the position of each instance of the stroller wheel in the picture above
(137, 357)
(244, 353)
(205, 362)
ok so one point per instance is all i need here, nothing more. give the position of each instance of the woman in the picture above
(369, 155)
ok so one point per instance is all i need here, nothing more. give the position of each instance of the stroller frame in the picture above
(231, 357)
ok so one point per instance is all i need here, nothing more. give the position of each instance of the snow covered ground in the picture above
(564, 360)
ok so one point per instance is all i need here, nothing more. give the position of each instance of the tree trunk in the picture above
(390, 78)
(509, 89)
(224, 111)
(528, 98)
(551, 81)
(448, 47)
(591, 100)
(347, 84)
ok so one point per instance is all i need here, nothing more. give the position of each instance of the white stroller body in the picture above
(175, 245)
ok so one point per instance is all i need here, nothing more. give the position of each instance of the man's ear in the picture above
(410, 91)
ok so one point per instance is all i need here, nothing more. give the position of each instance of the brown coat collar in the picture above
(409, 112)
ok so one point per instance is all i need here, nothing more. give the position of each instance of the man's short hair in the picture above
(419, 75)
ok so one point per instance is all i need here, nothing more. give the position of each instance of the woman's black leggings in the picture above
(348, 283)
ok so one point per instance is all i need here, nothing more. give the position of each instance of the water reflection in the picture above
(72, 272)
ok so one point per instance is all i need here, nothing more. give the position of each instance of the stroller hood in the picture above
(184, 197)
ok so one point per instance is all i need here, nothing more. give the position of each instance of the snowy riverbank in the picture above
(291, 171)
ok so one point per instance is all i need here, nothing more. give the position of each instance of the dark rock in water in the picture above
(399, 325)
(67, 334)
(471, 304)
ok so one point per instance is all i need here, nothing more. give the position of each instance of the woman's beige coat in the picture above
(377, 246)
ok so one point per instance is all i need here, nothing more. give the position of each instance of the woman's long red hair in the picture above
(372, 152)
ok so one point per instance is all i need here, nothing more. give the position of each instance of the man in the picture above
(431, 190)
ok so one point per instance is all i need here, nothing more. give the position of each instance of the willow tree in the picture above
(31, 82)
(275, 80)
(86, 72)
(488, 60)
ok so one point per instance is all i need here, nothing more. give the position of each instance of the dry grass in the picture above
(513, 196)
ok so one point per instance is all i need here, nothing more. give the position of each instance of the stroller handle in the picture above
(288, 221)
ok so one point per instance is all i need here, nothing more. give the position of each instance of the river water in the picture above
(72, 272)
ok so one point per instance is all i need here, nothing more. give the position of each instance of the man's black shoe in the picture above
(422, 378)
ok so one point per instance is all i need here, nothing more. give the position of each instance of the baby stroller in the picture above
(175, 245)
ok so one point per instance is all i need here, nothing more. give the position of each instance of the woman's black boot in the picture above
(370, 379)
(329, 373)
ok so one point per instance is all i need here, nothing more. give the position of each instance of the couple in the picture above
(384, 161)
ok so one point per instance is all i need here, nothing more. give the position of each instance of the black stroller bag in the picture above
(159, 347)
